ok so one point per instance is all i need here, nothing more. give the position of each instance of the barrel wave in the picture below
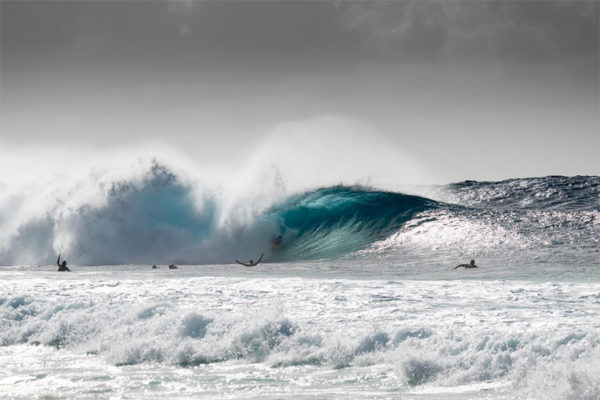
(331, 222)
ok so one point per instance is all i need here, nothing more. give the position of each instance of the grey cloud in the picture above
(180, 6)
(255, 30)
(299, 33)
(535, 31)
(205, 76)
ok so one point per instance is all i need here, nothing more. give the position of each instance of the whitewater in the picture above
(360, 300)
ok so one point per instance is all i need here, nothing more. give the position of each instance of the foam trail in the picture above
(415, 342)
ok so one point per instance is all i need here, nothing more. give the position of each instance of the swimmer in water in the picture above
(62, 267)
(251, 263)
(465, 266)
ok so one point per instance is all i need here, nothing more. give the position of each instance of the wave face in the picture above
(159, 217)
(334, 221)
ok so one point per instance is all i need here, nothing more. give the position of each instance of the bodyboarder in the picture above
(62, 267)
(465, 266)
(251, 263)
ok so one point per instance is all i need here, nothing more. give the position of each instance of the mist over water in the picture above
(150, 205)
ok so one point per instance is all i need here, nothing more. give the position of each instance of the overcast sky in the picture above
(472, 89)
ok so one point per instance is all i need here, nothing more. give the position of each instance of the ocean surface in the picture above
(360, 300)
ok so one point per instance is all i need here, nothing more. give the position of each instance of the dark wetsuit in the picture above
(251, 263)
(62, 267)
(471, 265)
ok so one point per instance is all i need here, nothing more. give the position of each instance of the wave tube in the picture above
(330, 222)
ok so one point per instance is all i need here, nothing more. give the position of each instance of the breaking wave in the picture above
(158, 217)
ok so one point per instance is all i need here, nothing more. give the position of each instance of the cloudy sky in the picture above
(467, 89)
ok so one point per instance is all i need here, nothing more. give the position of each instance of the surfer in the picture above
(465, 266)
(62, 266)
(172, 266)
(251, 263)
(276, 242)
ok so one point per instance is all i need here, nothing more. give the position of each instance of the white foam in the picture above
(419, 337)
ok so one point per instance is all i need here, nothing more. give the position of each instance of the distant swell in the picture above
(580, 193)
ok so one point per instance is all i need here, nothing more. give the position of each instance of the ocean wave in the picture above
(157, 217)
(580, 193)
(330, 222)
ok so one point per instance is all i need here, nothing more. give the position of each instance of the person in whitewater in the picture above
(465, 266)
(172, 266)
(276, 242)
(251, 263)
(62, 267)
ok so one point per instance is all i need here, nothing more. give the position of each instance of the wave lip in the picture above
(330, 222)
